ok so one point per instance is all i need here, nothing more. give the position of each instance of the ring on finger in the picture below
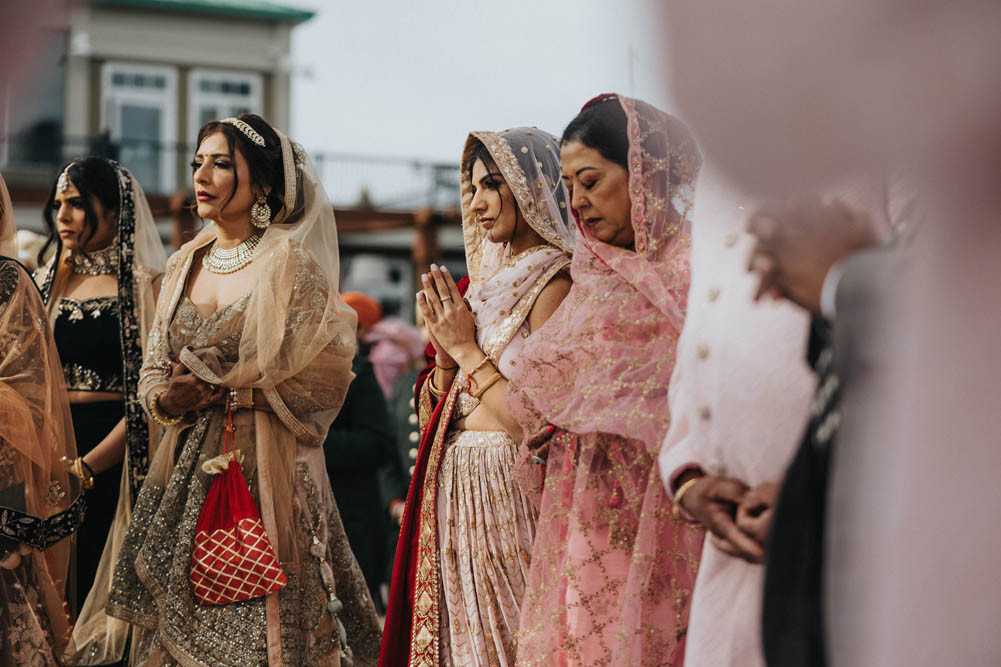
(447, 297)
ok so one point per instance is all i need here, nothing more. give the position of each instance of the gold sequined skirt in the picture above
(486, 527)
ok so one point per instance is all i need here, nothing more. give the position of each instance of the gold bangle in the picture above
(86, 481)
(480, 365)
(682, 490)
(434, 390)
(480, 390)
(158, 416)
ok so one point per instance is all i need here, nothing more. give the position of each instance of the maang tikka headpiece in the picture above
(248, 131)
(63, 183)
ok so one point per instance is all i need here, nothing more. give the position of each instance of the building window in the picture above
(217, 94)
(139, 112)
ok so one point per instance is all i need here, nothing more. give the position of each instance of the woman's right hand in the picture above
(186, 393)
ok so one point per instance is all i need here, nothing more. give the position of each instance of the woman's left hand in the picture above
(446, 313)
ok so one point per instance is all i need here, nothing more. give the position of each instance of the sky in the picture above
(383, 77)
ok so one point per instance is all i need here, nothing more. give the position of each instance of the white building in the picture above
(137, 78)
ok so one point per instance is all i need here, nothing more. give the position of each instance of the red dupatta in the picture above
(397, 634)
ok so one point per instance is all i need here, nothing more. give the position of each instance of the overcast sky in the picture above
(412, 79)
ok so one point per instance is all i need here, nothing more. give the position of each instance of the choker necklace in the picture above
(230, 260)
(96, 263)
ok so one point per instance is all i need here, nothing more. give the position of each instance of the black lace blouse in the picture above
(90, 347)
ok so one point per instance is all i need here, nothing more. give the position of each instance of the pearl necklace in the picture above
(96, 263)
(230, 260)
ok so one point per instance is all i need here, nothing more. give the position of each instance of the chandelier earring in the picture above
(260, 213)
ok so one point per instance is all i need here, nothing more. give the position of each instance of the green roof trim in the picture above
(259, 9)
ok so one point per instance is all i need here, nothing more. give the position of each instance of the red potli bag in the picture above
(233, 559)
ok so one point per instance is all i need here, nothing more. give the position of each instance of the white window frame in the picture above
(198, 98)
(165, 98)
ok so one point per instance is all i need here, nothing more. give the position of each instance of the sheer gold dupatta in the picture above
(40, 501)
(296, 346)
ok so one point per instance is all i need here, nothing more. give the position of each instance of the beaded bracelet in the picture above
(242, 398)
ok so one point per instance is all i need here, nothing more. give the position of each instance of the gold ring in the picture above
(444, 298)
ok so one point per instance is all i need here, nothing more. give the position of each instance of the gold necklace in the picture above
(97, 262)
(230, 260)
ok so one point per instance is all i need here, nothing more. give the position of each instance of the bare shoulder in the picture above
(549, 300)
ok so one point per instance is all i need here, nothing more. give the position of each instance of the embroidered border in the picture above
(38, 532)
(424, 650)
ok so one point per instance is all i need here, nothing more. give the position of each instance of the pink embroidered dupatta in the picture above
(612, 569)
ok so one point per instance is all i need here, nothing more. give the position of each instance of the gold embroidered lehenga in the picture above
(467, 531)
(291, 338)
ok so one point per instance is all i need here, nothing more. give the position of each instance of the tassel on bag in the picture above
(233, 559)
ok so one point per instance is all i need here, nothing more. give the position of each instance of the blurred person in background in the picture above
(903, 581)
(100, 289)
(737, 405)
(358, 445)
(41, 499)
(467, 533)
(395, 348)
(612, 568)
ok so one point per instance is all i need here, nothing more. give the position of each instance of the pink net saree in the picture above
(612, 568)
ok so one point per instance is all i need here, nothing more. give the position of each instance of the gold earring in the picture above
(260, 213)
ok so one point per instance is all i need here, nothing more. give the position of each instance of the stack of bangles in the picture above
(86, 477)
(482, 388)
(241, 398)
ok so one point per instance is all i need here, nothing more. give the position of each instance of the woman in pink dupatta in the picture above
(612, 567)
(467, 529)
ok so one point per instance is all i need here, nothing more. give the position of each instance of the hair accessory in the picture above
(63, 183)
(260, 213)
(248, 131)
(230, 260)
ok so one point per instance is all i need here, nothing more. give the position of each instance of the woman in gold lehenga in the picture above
(249, 313)
(40, 500)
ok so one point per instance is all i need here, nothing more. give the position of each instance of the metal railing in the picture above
(385, 182)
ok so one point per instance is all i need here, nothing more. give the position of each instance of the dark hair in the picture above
(96, 179)
(265, 164)
(481, 153)
(601, 126)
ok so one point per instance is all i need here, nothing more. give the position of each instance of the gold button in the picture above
(413, 452)
(713, 293)
(731, 240)
(702, 351)
(414, 437)
(411, 472)
(704, 412)
(412, 418)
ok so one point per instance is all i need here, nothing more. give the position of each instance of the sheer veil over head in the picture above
(503, 287)
(611, 343)
(297, 337)
(140, 263)
(41, 503)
